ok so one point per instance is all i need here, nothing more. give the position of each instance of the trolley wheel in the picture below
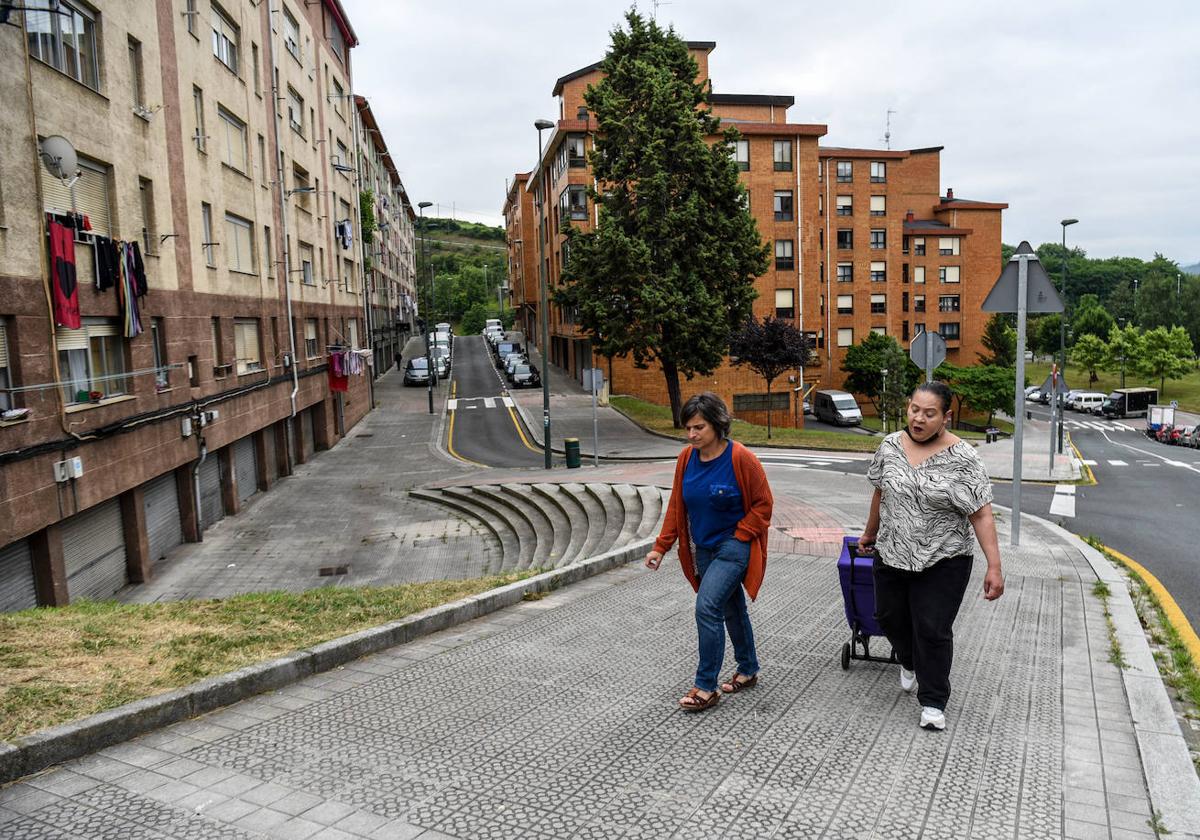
(846, 656)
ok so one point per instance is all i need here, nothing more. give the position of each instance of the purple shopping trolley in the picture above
(858, 593)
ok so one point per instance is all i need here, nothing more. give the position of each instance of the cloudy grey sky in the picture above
(1062, 108)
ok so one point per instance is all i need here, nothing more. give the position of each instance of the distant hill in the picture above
(1192, 269)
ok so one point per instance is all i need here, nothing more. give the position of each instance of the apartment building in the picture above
(860, 240)
(179, 310)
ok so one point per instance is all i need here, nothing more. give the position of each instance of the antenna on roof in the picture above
(656, 3)
(887, 131)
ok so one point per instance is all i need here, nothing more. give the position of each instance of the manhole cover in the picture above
(330, 571)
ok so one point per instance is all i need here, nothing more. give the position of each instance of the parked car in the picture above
(442, 353)
(510, 363)
(1193, 440)
(1163, 433)
(503, 349)
(837, 407)
(416, 371)
(444, 327)
(1034, 396)
(441, 365)
(1179, 435)
(525, 375)
(1085, 401)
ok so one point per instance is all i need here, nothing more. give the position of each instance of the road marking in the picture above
(489, 402)
(508, 402)
(1064, 501)
(1126, 428)
(1174, 614)
(451, 404)
(1090, 462)
(1118, 463)
(450, 443)
(1176, 463)
(521, 432)
(1193, 467)
(782, 457)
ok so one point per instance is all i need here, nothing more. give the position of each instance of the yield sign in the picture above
(1040, 293)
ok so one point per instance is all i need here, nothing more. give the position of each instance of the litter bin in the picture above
(993, 434)
(571, 445)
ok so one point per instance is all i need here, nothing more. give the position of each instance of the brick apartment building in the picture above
(249, 254)
(862, 240)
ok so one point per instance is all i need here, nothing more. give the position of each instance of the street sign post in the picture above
(1022, 287)
(927, 350)
(593, 381)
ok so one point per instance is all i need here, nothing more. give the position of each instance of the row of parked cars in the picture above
(441, 350)
(1179, 436)
(510, 357)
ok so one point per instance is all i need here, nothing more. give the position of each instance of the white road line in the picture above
(1090, 462)
(1064, 501)
(489, 402)
(799, 456)
(1125, 427)
(508, 402)
(1118, 464)
(1176, 463)
(451, 404)
(469, 406)
(1193, 467)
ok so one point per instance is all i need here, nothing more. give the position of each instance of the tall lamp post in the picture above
(1062, 329)
(425, 258)
(543, 306)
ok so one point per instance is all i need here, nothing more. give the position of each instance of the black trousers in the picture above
(916, 611)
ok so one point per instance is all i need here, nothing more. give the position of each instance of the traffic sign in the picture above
(1056, 385)
(1040, 295)
(927, 350)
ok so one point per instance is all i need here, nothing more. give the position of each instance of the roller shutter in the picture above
(94, 552)
(289, 426)
(310, 444)
(211, 509)
(17, 591)
(245, 466)
(163, 530)
(272, 466)
(91, 194)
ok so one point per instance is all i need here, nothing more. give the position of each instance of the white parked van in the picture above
(1085, 401)
(837, 407)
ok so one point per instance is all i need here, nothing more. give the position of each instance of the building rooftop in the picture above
(706, 46)
(751, 99)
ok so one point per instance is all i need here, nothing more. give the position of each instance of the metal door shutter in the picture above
(94, 551)
(163, 531)
(16, 577)
(272, 469)
(310, 444)
(289, 426)
(245, 466)
(211, 509)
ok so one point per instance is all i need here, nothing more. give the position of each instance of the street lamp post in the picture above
(543, 306)
(1062, 329)
(428, 352)
(883, 400)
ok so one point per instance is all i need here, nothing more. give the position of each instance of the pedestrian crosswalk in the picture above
(479, 402)
(797, 459)
(1099, 426)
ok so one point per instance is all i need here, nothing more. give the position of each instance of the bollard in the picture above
(571, 446)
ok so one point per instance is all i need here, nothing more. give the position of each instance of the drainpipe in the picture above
(368, 329)
(196, 478)
(283, 238)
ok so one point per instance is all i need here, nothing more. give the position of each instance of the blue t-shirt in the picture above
(712, 497)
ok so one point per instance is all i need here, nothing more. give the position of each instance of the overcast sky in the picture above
(1062, 108)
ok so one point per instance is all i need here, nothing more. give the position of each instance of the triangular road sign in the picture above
(1040, 293)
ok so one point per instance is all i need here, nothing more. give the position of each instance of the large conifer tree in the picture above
(668, 273)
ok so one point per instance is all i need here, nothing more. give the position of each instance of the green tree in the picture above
(989, 388)
(1000, 340)
(1091, 319)
(474, 318)
(668, 273)
(1043, 335)
(1123, 350)
(769, 348)
(863, 363)
(1089, 351)
(1166, 354)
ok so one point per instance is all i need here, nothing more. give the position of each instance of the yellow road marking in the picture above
(521, 431)
(1171, 609)
(1091, 475)
(450, 431)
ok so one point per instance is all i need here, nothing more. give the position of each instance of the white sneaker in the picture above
(908, 679)
(932, 718)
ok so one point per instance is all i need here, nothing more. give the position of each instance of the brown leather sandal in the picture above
(693, 702)
(735, 685)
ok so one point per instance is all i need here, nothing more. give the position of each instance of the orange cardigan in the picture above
(757, 503)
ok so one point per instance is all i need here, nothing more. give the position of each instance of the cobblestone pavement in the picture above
(557, 719)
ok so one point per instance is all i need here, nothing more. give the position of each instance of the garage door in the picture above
(310, 441)
(163, 530)
(272, 465)
(211, 509)
(289, 426)
(94, 552)
(16, 577)
(245, 466)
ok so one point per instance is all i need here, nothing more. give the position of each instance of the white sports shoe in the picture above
(932, 718)
(908, 679)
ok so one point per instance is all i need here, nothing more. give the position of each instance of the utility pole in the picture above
(1062, 331)
(428, 352)
(543, 306)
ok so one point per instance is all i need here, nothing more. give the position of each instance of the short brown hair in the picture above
(712, 408)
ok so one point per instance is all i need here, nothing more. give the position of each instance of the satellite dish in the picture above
(59, 156)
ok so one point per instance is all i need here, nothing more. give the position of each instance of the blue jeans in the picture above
(721, 605)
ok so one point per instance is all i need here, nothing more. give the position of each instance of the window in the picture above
(233, 130)
(5, 379)
(162, 373)
(879, 239)
(904, 273)
(918, 303)
(91, 360)
(820, 205)
(845, 238)
(66, 40)
(90, 194)
(949, 330)
(136, 80)
(948, 246)
(878, 205)
(741, 154)
(820, 171)
(198, 104)
(904, 336)
(300, 186)
(904, 244)
(845, 304)
(845, 336)
(226, 38)
(337, 42)
(845, 171)
(572, 203)
(191, 14)
(904, 303)
(343, 160)
(879, 272)
(295, 112)
(268, 251)
(306, 264)
(948, 303)
(919, 274)
(310, 337)
(879, 330)
(783, 205)
(348, 275)
(918, 327)
(262, 159)
(239, 245)
(246, 344)
(291, 34)
(845, 272)
(878, 304)
(783, 155)
(948, 274)
(918, 246)
(575, 151)
(256, 68)
(339, 94)
(845, 205)
(352, 333)
(878, 172)
(785, 303)
(207, 231)
(146, 205)
(219, 366)
(784, 257)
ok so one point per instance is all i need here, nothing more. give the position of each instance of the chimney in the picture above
(908, 217)
(949, 193)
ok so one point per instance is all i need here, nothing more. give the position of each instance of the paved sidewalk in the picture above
(557, 719)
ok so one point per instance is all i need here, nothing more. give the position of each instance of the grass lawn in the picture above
(1186, 390)
(61, 664)
(657, 418)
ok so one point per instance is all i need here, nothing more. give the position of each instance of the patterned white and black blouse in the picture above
(923, 510)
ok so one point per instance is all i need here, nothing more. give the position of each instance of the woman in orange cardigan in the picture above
(720, 511)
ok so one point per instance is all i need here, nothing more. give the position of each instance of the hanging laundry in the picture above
(108, 262)
(127, 290)
(137, 267)
(62, 276)
(338, 381)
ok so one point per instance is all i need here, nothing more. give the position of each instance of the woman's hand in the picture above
(993, 584)
(654, 559)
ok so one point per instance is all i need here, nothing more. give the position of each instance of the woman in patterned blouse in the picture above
(930, 491)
